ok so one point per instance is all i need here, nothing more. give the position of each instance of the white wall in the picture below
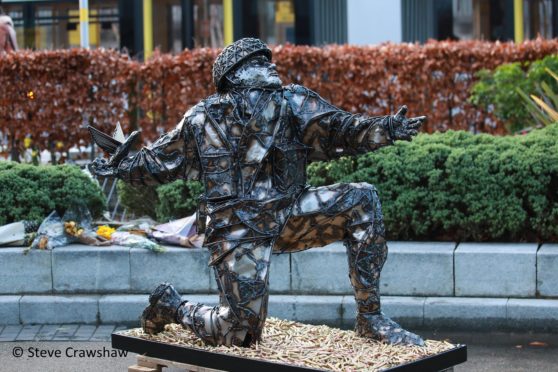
(374, 21)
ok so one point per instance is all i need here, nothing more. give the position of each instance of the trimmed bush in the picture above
(452, 186)
(165, 202)
(458, 186)
(178, 199)
(52, 94)
(29, 192)
(139, 200)
(56, 92)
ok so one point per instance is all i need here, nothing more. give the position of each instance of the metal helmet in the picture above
(234, 54)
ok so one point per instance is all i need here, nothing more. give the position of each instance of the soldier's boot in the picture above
(380, 327)
(163, 306)
(365, 263)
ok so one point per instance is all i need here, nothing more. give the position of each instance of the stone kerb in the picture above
(547, 271)
(495, 270)
(465, 313)
(101, 285)
(97, 270)
(58, 309)
(323, 270)
(412, 269)
(25, 273)
(418, 269)
(532, 314)
(9, 309)
(186, 269)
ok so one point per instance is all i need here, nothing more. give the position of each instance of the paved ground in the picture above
(66, 347)
(504, 352)
(57, 332)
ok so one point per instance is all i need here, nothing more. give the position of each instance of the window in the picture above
(537, 15)
(208, 23)
(56, 25)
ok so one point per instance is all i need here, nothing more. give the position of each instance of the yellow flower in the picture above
(105, 231)
(72, 228)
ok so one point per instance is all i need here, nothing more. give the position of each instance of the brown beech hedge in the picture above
(53, 94)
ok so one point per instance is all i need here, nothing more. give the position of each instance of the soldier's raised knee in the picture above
(365, 187)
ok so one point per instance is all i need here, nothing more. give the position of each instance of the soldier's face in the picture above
(257, 72)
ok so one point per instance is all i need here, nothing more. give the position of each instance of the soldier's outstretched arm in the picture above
(332, 132)
(173, 156)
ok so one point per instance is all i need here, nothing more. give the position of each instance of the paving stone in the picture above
(65, 332)
(122, 308)
(320, 271)
(9, 309)
(465, 313)
(84, 332)
(495, 270)
(103, 332)
(29, 273)
(28, 332)
(418, 269)
(10, 333)
(539, 315)
(184, 268)
(307, 309)
(47, 332)
(58, 309)
(82, 269)
(547, 270)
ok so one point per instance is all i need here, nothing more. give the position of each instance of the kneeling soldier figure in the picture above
(250, 144)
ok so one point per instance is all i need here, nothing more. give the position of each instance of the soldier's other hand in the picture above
(100, 167)
(403, 128)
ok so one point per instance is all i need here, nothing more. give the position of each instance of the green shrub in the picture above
(460, 186)
(497, 90)
(29, 192)
(445, 186)
(139, 200)
(162, 203)
(178, 199)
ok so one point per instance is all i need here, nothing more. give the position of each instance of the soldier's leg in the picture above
(242, 278)
(352, 213)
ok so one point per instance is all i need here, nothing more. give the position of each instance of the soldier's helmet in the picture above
(234, 55)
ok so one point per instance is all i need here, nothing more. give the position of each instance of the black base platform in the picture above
(226, 362)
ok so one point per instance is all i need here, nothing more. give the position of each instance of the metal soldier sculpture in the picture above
(250, 144)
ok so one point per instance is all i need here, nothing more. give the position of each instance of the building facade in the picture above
(172, 25)
(140, 26)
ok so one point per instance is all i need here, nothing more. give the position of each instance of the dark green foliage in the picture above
(139, 200)
(327, 173)
(459, 186)
(178, 199)
(446, 186)
(497, 90)
(165, 202)
(30, 192)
